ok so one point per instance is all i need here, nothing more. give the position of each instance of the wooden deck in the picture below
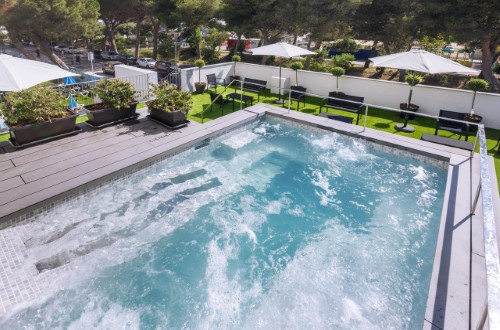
(41, 173)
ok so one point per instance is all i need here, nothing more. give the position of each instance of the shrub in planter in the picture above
(476, 85)
(169, 105)
(118, 102)
(296, 66)
(337, 72)
(199, 86)
(37, 113)
(235, 59)
(412, 80)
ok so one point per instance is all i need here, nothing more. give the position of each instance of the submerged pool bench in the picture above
(343, 102)
(253, 85)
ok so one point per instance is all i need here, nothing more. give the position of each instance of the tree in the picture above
(391, 22)
(113, 14)
(468, 20)
(43, 20)
(196, 13)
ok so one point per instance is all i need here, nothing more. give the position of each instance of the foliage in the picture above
(343, 61)
(337, 71)
(115, 92)
(168, 98)
(199, 64)
(210, 55)
(36, 104)
(146, 53)
(319, 67)
(432, 44)
(477, 85)
(236, 58)
(296, 65)
(413, 79)
(496, 68)
(166, 47)
(345, 45)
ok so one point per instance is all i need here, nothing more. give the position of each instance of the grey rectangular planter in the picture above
(41, 131)
(172, 119)
(109, 115)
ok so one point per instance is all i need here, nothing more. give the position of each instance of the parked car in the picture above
(109, 67)
(146, 62)
(109, 55)
(59, 48)
(163, 65)
(71, 50)
(127, 59)
(449, 48)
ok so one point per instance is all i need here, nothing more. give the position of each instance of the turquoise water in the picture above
(268, 227)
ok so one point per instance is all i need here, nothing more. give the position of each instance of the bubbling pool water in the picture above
(267, 227)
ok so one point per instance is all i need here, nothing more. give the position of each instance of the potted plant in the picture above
(199, 86)
(117, 103)
(235, 59)
(338, 71)
(296, 66)
(476, 85)
(411, 79)
(37, 114)
(169, 106)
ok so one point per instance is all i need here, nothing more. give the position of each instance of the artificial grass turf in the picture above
(382, 120)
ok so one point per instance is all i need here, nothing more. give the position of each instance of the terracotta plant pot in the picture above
(412, 107)
(170, 118)
(99, 114)
(44, 130)
(200, 87)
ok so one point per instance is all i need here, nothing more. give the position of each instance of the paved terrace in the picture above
(33, 178)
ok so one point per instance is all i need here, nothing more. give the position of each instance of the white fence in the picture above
(384, 93)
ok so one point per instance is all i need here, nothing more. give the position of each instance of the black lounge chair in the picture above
(213, 81)
(297, 94)
(218, 99)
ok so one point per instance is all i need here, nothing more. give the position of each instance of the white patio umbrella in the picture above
(421, 61)
(19, 73)
(281, 49)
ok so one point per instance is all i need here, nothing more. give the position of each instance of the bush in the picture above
(343, 61)
(210, 55)
(36, 104)
(169, 98)
(477, 85)
(236, 58)
(319, 67)
(345, 45)
(115, 92)
(337, 71)
(413, 79)
(146, 53)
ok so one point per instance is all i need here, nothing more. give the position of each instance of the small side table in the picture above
(241, 97)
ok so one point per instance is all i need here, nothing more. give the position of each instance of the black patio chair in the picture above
(452, 126)
(298, 94)
(212, 80)
(218, 99)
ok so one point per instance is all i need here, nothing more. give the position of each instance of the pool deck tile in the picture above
(35, 177)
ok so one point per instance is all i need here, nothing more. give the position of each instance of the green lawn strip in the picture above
(378, 119)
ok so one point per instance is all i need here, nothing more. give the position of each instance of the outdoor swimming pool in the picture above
(269, 226)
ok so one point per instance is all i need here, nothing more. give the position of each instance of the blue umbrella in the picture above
(69, 81)
(72, 102)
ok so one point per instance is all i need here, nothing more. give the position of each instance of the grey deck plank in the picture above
(448, 300)
(11, 183)
(83, 141)
(6, 164)
(63, 156)
(41, 185)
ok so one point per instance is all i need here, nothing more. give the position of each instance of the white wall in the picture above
(190, 76)
(385, 93)
(140, 78)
